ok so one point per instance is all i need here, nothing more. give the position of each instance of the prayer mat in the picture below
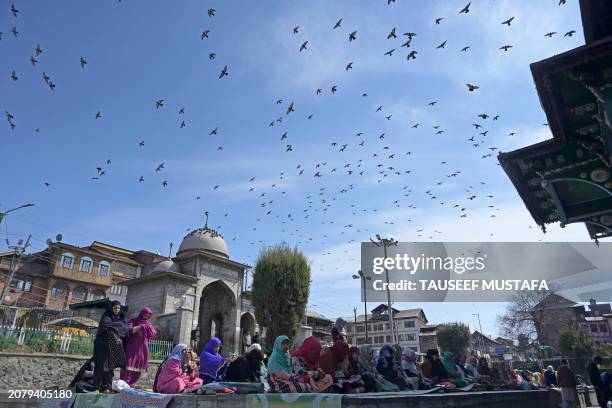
(294, 400)
(95, 400)
(131, 398)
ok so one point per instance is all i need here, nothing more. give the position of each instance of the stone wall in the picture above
(39, 371)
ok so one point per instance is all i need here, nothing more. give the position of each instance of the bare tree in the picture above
(526, 315)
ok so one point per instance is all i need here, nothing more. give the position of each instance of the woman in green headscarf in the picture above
(280, 373)
(455, 374)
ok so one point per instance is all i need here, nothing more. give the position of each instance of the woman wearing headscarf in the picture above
(177, 373)
(470, 369)
(455, 374)
(305, 362)
(84, 380)
(372, 379)
(335, 362)
(390, 367)
(550, 378)
(280, 373)
(433, 368)
(211, 360)
(413, 370)
(108, 346)
(246, 368)
(137, 346)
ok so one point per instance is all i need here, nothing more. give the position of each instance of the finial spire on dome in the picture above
(170, 251)
(206, 221)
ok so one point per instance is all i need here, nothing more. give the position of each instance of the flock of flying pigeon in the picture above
(380, 160)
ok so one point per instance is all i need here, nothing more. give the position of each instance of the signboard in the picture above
(501, 350)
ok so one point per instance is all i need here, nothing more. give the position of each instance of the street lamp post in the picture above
(387, 242)
(363, 278)
(481, 334)
(3, 214)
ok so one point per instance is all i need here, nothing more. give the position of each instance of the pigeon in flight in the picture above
(334, 89)
(569, 33)
(505, 47)
(83, 62)
(290, 109)
(466, 9)
(508, 21)
(304, 46)
(224, 72)
(14, 76)
(204, 34)
(296, 29)
(439, 19)
(337, 25)
(391, 34)
(159, 168)
(98, 115)
(390, 52)
(38, 51)
(464, 49)
(353, 36)
(211, 12)
(471, 87)
(214, 131)
(411, 55)
(14, 10)
(212, 56)
(14, 31)
(159, 103)
(550, 34)
(349, 66)
(441, 45)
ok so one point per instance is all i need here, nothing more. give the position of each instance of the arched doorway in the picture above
(247, 325)
(217, 317)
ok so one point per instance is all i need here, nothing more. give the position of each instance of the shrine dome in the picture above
(204, 239)
(167, 266)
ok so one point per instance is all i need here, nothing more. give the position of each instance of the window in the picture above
(104, 268)
(67, 260)
(594, 328)
(59, 291)
(360, 329)
(127, 270)
(409, 324)
(118, 290)
(603, 328)
(78, 294)
(410, 337)
(97, 295)
(387, 326)
(86, 264)
(23, 285)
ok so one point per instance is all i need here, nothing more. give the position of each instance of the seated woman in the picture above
(455, 374)
(471, 371)
(280, 373)
(305, 362)
(84, 380)
(550, 379)
(246, 368)
(334, 361)
(390, 367)
(211, 361)
(177, 374)
(433, 369)
(517, 380)
(373, 381)
(413, 370)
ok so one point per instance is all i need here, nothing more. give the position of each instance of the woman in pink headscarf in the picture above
(137, 346)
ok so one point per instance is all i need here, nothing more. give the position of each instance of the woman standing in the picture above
(211, 360)
(177, 374)
(137, 347)
(108, 346)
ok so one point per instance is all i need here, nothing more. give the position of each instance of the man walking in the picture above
(567, 382)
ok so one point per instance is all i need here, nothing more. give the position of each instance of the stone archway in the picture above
(247, 325)
(217, 317)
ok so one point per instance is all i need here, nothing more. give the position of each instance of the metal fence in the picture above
(48, 341)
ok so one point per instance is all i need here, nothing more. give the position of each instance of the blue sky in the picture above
(140, 51)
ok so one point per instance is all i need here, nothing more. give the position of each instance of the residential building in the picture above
(321, 326)
(408, 324)
(428, 337)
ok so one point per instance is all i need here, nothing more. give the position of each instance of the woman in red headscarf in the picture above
(137, 346)
(335, 362)
(305, 362)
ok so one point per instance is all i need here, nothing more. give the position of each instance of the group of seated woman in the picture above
(338, 368)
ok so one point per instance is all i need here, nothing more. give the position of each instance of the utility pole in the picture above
(20, 250)
(363, 278)
(3, 214)
(355, 331)
(385, 243)
(481, 334)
